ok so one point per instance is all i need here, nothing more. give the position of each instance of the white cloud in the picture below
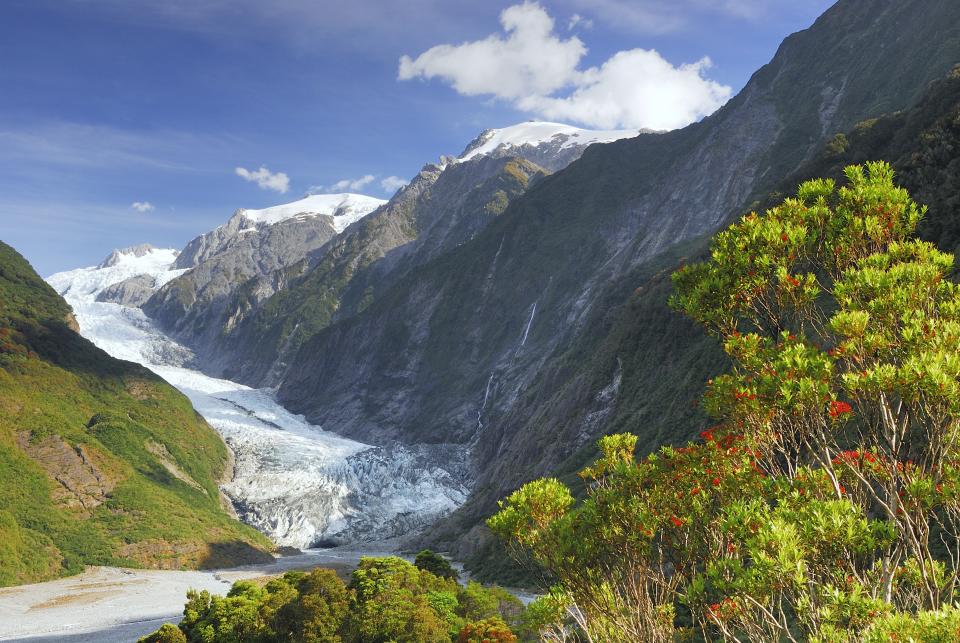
(530, 59)
(351, 185)
(538, 72)
(392, 183)
(142, 206)
(636, 88)
(267, 180)
(576, 20)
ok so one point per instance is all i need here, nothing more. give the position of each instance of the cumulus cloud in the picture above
(531, 59)
(539, 72)
(142, 206)
(267, 180)
(636, 88)
(392, 183)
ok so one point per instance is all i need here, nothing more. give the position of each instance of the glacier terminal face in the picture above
(299, 484)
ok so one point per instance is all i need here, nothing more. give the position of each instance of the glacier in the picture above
(301, 485)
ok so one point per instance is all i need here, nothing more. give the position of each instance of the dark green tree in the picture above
(435, 564)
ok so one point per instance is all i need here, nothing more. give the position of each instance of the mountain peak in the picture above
(343, 208)
(137, 251)
(537, 133)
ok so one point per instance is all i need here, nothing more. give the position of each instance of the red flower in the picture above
(706, 435)
(784, 237)
(676, 521)
(716, 482)
(838, 409)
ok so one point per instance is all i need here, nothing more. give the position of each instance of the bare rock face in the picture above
(72, 324)
(81, 484)
(473, 346)
(133, 292)
(197, 306)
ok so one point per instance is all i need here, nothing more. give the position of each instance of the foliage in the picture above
(823, 504)
(390, 602)
(435, 564)
(388, 599)
(491, 630)
(166, 634)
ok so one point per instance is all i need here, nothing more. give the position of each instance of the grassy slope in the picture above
(55, 384)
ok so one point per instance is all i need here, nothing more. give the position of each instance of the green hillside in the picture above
(101, 461)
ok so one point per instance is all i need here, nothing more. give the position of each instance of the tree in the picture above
(844, 336)
(825, 499)
(233, 618)
(435, 564)
(166, 634)
(491, 630)
(317, 612)
(390, 603)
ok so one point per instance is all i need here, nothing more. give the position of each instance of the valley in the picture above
(689, 383)
(299, 484)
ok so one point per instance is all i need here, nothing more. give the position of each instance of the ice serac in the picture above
(294, 481)
(458, 335)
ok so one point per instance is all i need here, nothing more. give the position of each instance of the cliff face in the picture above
(517, 344)
(196, 305)
(444, 206)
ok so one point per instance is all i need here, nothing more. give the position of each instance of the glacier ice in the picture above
(301, 485)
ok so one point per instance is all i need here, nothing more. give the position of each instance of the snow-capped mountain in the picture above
(314, 213)
(343, 209)
(296, 482)
(120, 266)
(549, 145)
(250, 252)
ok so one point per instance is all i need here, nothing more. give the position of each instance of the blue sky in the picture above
(124, 121)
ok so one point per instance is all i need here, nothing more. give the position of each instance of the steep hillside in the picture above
(101, 462)
(441, 208)
(254, 245)
(475, 326)
(513, 344)
(663, 357)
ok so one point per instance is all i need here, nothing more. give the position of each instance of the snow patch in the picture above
(344, 209)
(538, 132)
